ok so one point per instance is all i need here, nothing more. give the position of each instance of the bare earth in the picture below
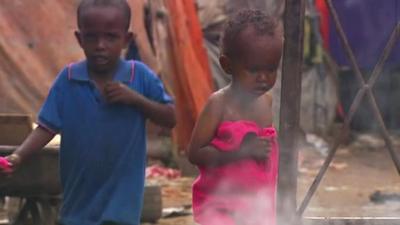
(359, 169)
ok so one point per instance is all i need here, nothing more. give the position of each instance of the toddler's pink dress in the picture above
(241, 192)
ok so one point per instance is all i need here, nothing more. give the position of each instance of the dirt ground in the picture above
(359, 170)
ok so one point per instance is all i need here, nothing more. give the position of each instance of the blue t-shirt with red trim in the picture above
(103, 146)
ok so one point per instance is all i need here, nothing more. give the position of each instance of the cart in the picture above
(34, 189)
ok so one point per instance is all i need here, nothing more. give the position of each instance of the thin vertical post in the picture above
(289, 119)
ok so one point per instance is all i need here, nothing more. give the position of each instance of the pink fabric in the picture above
(242, 192)
(5, 165)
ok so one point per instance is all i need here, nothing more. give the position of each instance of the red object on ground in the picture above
(159, 171)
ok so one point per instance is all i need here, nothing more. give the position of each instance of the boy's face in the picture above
(255, 66)
(102, 35)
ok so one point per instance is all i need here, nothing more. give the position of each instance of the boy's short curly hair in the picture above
(121, 4)
(263, 25)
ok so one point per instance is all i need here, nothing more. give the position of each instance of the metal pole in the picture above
(290, 111)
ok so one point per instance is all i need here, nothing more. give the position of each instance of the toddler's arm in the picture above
(200, 152)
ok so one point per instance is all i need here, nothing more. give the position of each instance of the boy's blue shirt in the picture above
(103, 146)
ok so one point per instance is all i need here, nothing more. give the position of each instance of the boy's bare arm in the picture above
(162, 114)
(33, 143)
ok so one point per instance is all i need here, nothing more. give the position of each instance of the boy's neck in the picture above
(101, 79)
(102, 75)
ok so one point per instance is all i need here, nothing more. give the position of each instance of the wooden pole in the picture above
(290, 111)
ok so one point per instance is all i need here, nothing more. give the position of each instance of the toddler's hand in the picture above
(255, 147)
(116, 92)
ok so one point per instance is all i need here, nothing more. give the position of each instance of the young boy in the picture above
(99, 106)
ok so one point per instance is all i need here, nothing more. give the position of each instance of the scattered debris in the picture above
(334, 165)
(338, 166)
(318, 143)
(156, 171)
(379, 198)
(307, 171)
(177, 211)
(334, 188)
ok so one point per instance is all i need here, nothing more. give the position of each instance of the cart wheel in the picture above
(13, 205)
(34, 211)
(23, 214)
(49, 209)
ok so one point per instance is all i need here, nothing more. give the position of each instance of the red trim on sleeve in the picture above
(51, 131)
(70, 71)
(132, 71)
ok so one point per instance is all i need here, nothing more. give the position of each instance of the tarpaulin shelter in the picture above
(36, 41)
(190, 79)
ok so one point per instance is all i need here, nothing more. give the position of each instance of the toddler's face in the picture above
(255, 69)
(102, 36)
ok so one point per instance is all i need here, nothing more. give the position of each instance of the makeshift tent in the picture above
(192, 82)
(36, 41)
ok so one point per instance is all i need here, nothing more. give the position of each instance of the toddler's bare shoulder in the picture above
(267, 98)
(216, 101)
(218, 96)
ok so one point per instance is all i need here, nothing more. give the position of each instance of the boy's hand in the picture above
(255, 147)
(116, 92)
(9, 164)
